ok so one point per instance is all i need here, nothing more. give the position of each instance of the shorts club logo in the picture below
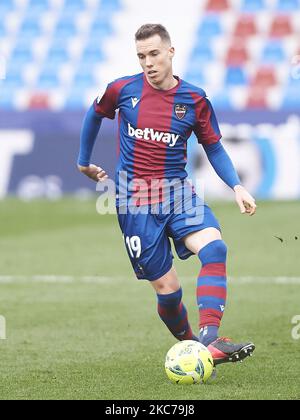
(180, 111)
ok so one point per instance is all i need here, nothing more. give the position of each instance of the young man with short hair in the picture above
(157, 114)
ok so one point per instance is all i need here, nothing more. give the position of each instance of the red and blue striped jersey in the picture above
(154, 126)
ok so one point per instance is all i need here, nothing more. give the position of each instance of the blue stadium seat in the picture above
(195, 77)
(294, 80)
(57, 55)
(30, 28)
(7, 97)
(291, 99)
(92, 54)
(288, 5)
(75, 100)
(100, 29)
(36, 7)
(108, 6)
(13, 80)
(3, 31)
(273, 52)
(203, 52)
(6, 6)
(73, 6)
(84, 80)
(65, 28)
(13, 67)
(221, 101)
(22, 54)
(48, 79)
(253, 5)
(235, 76)
(210, 26)
(195, 65)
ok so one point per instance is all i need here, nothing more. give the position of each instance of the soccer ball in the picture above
(189, 362)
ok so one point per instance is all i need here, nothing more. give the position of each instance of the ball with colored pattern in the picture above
(189, 362)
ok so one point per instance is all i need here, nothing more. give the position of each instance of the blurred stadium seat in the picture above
(57, 55)
(75, 99)
(210, 26)
(92, 54)
(217, 5)
(245, 26)
(233, 36)
(253, 5)
(73, 6)
(264, 77)
(48, 79)
(235, 76)
(273, 52)
(203, 53)
(2, 29)
(30, 29)
(281, 26)
(257, 97)
(6, 6)
(39, 101)
(288, 5)
(237, 54)
(22, 54)
(222, 101)
(291, 99)
(66, 28)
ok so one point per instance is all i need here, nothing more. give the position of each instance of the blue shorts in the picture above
(147, 235)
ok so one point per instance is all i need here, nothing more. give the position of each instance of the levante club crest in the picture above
(180, 111)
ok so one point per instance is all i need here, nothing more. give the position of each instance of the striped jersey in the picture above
(154, 126)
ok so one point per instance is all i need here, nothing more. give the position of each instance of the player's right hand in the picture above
(93, 172)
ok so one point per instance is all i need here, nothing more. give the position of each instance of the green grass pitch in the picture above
(79, 326)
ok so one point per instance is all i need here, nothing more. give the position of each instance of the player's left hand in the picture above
(245, 200)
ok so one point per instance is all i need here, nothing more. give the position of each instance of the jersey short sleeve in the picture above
(206, 126)
(107, 104)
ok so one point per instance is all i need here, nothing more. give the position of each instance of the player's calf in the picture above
(211, 290)
(174, 314)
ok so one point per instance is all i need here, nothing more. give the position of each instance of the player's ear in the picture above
(171, 52)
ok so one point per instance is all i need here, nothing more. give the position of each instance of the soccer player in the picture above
(157, 114)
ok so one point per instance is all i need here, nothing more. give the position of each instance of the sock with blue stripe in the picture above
(211, 290)
(174, 314)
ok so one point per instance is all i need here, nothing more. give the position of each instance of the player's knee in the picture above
(215, 251)
(167, 284)
(166, 288)
(220, 249)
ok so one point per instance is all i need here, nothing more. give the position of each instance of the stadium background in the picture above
(57, 56)
(78, 324)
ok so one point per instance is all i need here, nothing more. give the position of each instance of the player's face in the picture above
(155, 56)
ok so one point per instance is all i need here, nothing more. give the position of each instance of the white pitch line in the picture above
(49, 279)
(55, 279)
(264, 280)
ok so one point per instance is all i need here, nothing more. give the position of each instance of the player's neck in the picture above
(167, 84)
